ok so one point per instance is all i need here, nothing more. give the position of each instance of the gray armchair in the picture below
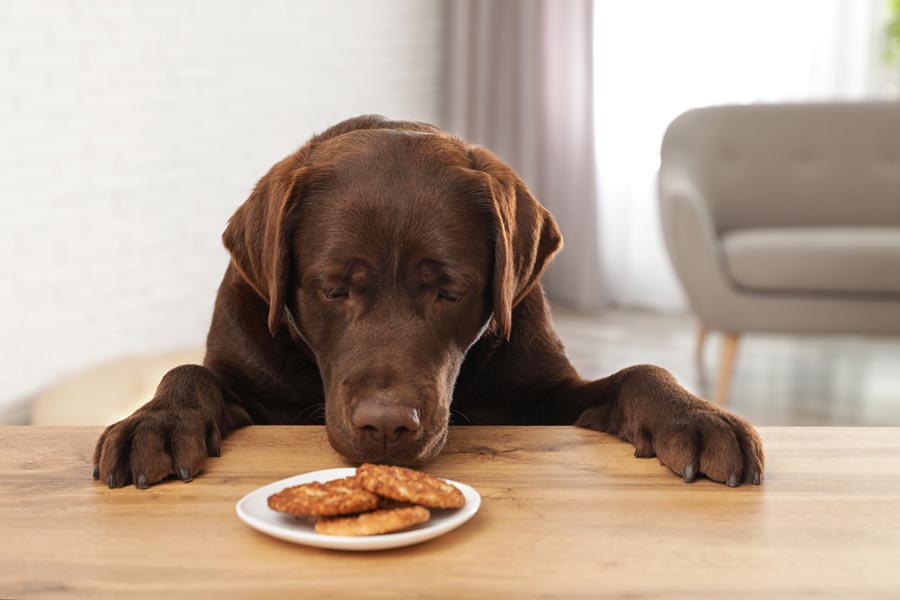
(785, 218)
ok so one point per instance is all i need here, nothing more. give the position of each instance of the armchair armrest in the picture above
(694, 248)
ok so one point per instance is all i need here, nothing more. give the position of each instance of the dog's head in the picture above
(390, 248)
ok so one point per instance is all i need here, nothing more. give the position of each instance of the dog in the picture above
(382, 274)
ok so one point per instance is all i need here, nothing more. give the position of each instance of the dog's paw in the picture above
(712, 442)
(155, 442)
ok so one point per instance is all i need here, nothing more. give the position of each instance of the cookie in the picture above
(406, 485)
(374, 523)
(386, 503)
(338, 497)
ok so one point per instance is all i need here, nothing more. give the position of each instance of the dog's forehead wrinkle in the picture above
(372, 148)
(392, 238)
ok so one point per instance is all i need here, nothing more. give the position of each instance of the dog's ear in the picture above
(525, 236)
(258, 234)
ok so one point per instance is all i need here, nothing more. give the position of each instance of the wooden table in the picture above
(565, 512)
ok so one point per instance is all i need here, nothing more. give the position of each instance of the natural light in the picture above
(697, 53)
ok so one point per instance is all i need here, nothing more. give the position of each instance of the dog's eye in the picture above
(449, 296)
(335, 293)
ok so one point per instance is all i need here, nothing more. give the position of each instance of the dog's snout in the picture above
(385, 422)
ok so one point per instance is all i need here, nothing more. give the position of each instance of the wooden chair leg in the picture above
(701, 339)
(729, 353)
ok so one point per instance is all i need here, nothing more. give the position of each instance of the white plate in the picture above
(253, 509)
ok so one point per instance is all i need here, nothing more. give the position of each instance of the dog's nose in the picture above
(385, 422)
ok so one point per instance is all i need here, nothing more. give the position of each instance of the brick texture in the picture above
(131, 130)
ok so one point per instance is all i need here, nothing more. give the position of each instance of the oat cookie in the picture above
(332, 498)
(406, 485)
(387, 503)
(374, 523)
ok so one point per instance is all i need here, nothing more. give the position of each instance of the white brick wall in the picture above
(131, 130)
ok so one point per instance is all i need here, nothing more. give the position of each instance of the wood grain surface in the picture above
(565, 512)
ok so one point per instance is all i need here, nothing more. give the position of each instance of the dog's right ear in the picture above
(258, 234)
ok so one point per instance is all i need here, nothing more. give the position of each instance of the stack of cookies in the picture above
(378, 499)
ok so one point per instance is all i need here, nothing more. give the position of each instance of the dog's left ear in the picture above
(258, 234)
(525, 236)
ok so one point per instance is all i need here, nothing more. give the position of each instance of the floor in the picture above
(778, 379)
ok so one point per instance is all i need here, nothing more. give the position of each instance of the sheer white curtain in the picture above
(654, 59)
(519, 83)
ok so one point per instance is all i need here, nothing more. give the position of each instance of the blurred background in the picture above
(130, 132)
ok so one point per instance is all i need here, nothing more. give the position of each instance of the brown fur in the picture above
(387, 269)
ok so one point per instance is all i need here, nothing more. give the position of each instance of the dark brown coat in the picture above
(384, 279)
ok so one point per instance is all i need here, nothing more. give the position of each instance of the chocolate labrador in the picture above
(380, 275)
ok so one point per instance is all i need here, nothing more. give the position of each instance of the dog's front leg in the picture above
(172, 434)
(646, 406)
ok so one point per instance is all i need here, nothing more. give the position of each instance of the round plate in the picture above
(253, 509)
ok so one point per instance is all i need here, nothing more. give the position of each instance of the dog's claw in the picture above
(111, 481)
(97, 471)
(142, 482)
(756, 478)
(733, 480)
(689, 473)
(185, 475)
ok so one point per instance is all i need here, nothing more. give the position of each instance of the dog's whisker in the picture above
(453, 411)
(312, 413)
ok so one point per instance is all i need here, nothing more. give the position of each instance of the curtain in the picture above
(519, 82)
(576, 95)
(654, 59)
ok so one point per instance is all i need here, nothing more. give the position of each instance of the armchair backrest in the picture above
(789, 165)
